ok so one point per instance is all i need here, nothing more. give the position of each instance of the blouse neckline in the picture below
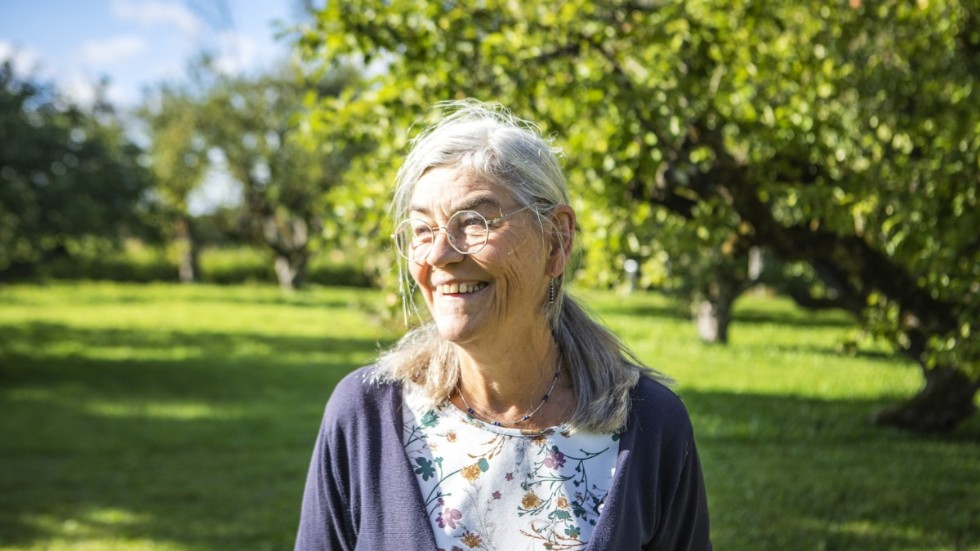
(450, 409)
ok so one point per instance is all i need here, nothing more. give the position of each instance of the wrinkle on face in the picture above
(513, 262)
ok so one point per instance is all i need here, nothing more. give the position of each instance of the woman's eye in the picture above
(471, 220)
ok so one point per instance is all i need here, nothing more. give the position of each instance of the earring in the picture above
(551, 291)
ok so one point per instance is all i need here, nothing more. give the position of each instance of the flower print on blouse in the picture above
(487, 487)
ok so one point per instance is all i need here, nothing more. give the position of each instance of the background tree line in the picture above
(69, 177)
(80, 180)
(835, 143)
(248, 127)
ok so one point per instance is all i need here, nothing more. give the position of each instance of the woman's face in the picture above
(494, 295)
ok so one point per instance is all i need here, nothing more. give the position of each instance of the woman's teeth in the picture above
(460, 288)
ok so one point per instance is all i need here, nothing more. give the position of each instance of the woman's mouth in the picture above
(460, 288)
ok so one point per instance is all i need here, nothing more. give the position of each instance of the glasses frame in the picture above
(490, 224)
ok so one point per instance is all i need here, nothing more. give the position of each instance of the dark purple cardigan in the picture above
(361, 492)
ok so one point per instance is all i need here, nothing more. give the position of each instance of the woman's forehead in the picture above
(451, 190)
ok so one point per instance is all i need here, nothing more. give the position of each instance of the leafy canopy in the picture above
(844, 136)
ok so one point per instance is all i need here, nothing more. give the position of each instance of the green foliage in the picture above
(67, 174)
(133, 262)
(230, 265)
(178, 160)
(247, 128)
(140, 263)
(255, 123)
(176, 417)
(845, 136)
(178, 156)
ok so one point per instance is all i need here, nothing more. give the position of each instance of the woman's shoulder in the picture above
(364, 379)
(361, 392)
(655, 407)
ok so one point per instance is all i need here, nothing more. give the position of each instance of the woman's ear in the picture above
(560, 239)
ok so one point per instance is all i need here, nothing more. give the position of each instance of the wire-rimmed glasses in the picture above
(467, 231)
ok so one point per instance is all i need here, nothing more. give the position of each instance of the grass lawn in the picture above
(164, 417)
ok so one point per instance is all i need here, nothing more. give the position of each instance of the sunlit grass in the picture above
(775, 349)
(780, 414)
(166, 417)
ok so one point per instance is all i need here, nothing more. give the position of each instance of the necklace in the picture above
(472, 412)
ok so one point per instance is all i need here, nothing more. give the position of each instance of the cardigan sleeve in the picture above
(326, 521)
(681, 505)
(361, 492)
(686, 512)
(657, 500)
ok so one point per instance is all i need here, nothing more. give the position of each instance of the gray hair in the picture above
(489, 142)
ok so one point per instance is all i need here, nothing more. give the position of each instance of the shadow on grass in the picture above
(625, 308)
(885, 358)
(785, 472)
(743, 315)
(209, 450)
(106, 293)
(790, 318)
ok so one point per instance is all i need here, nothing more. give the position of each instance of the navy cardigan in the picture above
(361, 492)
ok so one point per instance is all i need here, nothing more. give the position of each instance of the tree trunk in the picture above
(944, 401)
(289, 237)
(946, 398)
(189, 269)
(291, 270)
(713, 319)
(713, 312)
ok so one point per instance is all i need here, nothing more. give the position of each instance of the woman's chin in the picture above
(456, 330)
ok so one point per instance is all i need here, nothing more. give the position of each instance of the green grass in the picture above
(164, 417)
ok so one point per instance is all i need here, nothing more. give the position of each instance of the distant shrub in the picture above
(323, 271)
(228, 265)
(136, 263)
(139, 263)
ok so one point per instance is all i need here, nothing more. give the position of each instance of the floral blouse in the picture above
(488, 487)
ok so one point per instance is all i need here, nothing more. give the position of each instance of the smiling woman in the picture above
(511, 419)
(504, 273)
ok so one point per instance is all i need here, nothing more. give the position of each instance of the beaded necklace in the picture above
(472, 412)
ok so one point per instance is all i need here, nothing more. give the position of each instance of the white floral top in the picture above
(488, 487)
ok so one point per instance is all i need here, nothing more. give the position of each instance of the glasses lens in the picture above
(468, 231)
(413, 238)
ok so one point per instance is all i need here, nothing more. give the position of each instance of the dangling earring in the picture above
(551, 291)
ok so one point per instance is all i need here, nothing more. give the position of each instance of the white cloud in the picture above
(111, 50)
(74, 83)
(151, 13)
(237, 52)
(26, 61)
(79, 89)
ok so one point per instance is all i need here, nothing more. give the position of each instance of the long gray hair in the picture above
(488, 141)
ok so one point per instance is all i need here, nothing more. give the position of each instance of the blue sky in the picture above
(136, 43)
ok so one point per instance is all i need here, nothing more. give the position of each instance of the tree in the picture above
(179, 163)
(69, 177)
(844, 137)
(254, 123)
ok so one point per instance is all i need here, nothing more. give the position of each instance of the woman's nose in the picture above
(442, 251)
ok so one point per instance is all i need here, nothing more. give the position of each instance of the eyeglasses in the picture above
(467, 231)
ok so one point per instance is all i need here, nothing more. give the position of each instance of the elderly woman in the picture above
(511, 420)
